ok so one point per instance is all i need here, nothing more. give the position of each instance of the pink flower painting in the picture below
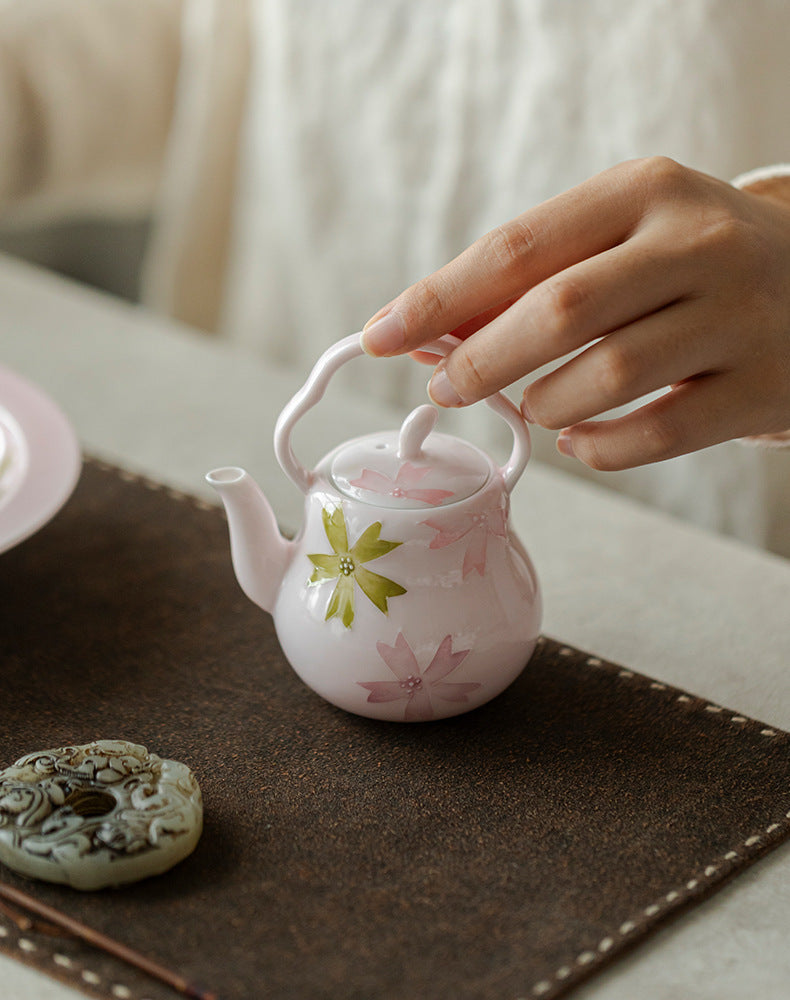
(476, 529)
(420, 690)
(403, 485)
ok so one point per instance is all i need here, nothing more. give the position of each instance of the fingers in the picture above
(561, 315)
(464, 331)
(580, 223)
(697, 414)
(659, 275)
(661, 349)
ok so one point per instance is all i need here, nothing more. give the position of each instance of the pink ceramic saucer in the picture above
(39, 458)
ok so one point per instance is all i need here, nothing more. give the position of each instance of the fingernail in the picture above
(564, 444)
(384, 336)
(441, 390)
(525, 412)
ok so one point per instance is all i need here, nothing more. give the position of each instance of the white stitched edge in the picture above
(680, 696)
(586, 957)
(65, 962)
(628, 926)
(129, 476)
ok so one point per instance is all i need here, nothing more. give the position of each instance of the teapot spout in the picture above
(259, 552)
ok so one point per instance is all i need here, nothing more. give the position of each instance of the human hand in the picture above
(663, 277)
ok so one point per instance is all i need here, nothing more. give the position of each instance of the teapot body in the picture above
(403, 614)
(405, 596)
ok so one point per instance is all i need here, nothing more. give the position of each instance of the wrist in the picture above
(772, 183)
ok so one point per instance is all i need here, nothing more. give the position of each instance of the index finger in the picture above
(508, 261)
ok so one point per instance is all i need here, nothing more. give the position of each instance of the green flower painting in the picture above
(345, 565)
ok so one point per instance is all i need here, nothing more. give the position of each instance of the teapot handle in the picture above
(351, 347)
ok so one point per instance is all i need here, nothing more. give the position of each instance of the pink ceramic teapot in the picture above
(405, 596)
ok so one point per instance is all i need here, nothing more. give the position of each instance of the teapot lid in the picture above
(401, 469)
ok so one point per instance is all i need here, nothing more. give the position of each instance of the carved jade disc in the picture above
(102, 814)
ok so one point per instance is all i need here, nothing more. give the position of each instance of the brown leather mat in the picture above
(510, 852)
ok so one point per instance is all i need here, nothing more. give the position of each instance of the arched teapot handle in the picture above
(351, 347)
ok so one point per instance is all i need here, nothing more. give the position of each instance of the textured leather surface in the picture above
(510, 852)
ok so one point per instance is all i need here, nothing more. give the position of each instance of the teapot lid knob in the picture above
(414, 430)
(410, 468)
